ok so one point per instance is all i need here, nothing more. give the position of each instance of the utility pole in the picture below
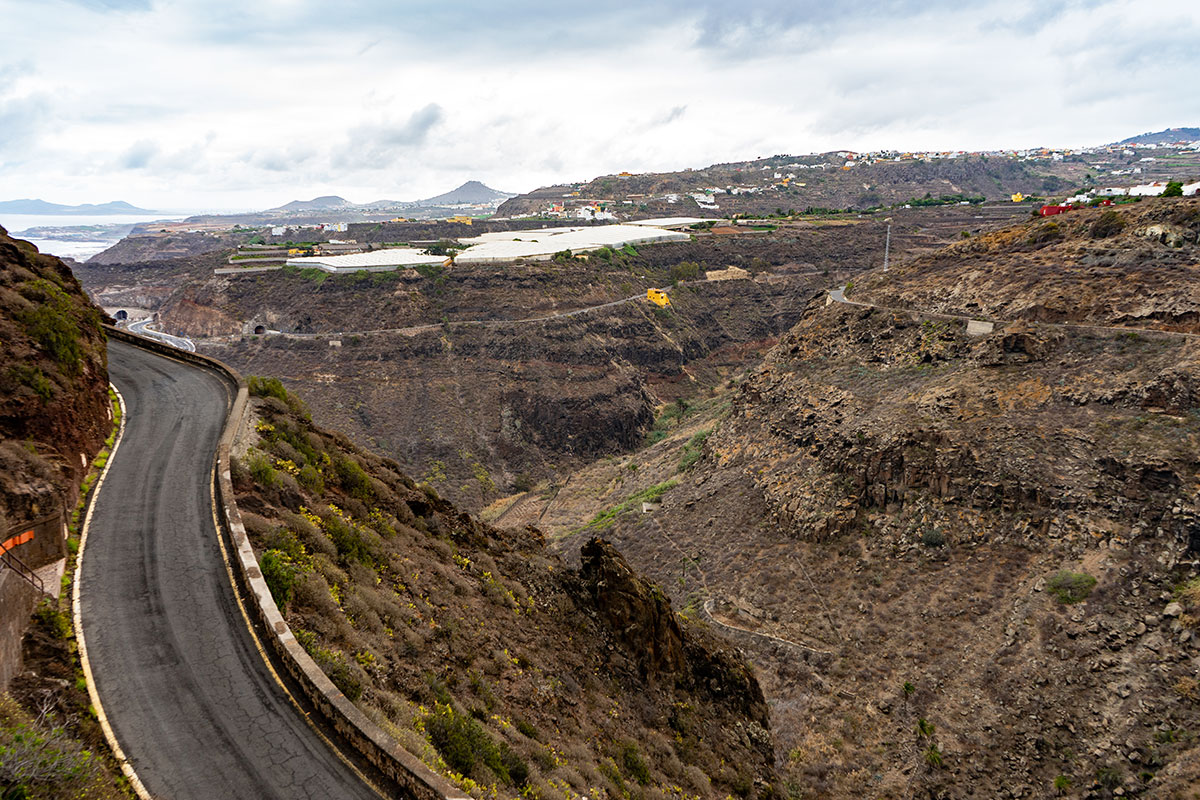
(887, 244)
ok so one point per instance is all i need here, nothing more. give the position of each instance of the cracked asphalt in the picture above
(186, 692)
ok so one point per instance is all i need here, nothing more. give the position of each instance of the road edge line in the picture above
(77, 617)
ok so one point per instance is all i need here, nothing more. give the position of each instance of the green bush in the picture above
(352, 543)
(310, 478)
(338, 670)
(56, 623)
(1110, 223)
(635, 765)
(694, 449)
(261, 469)
(1070, 587)
(266, 387)
(463, 744)
(353, 478)
(280, 575)
(685, 271)
(50, 324)
(1174, 189)
(34, 378)
(48, 759)
(933, 538)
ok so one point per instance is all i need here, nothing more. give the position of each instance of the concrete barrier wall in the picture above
(47, 542)
(408, 772)
(17, 599)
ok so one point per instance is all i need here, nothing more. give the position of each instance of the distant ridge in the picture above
(1167, 136)
(41, 207)
(323, 203)
(470, 192)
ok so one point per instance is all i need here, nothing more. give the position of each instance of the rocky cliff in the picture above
(984, 550)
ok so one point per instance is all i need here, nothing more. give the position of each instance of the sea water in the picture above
(78, 249)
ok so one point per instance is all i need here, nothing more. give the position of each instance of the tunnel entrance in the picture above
(121, 315)
(260, 329)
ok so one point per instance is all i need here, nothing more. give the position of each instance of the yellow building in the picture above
(463, 220)
(658, 297)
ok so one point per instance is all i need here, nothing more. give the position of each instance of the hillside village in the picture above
(751, 187)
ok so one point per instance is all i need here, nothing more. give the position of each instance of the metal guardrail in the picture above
(9, 560)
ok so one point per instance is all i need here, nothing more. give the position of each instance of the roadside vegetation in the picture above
(466, 643)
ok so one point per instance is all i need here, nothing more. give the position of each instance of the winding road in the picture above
(184, 688)
(143, 328)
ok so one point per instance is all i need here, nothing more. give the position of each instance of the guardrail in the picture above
(354, 728)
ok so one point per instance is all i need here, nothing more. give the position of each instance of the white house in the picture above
(1148, 189)
(1191, 188)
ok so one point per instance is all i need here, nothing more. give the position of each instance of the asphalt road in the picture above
(186, 692)
(143, 328)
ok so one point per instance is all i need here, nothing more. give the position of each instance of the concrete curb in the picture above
(357, 731)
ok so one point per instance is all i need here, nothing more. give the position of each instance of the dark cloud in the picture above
(138, 156)
(378, 143)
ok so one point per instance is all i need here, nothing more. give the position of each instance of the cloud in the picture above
(22, 120)
(138, 156)
(380, 143)
(311, 102)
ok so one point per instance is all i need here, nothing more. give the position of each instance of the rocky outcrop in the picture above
(636, 611)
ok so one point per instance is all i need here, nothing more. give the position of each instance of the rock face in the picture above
(639, 613)
(914, 505)
(54, 412)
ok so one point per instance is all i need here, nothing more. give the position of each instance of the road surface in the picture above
(187, 694)
(143, 328)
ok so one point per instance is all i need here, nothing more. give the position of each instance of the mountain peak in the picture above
(469, 192)
(322, 203)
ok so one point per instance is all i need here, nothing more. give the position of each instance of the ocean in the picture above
(78, 249)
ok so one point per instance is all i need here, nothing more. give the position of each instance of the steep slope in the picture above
(477, 648)
(54, 411)
(978, 555)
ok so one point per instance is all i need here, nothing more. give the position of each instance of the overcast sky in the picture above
(188, 104)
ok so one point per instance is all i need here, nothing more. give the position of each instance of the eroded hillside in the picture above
(979, 555)
(54, 411)
(1130, 265)
(477, 648)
